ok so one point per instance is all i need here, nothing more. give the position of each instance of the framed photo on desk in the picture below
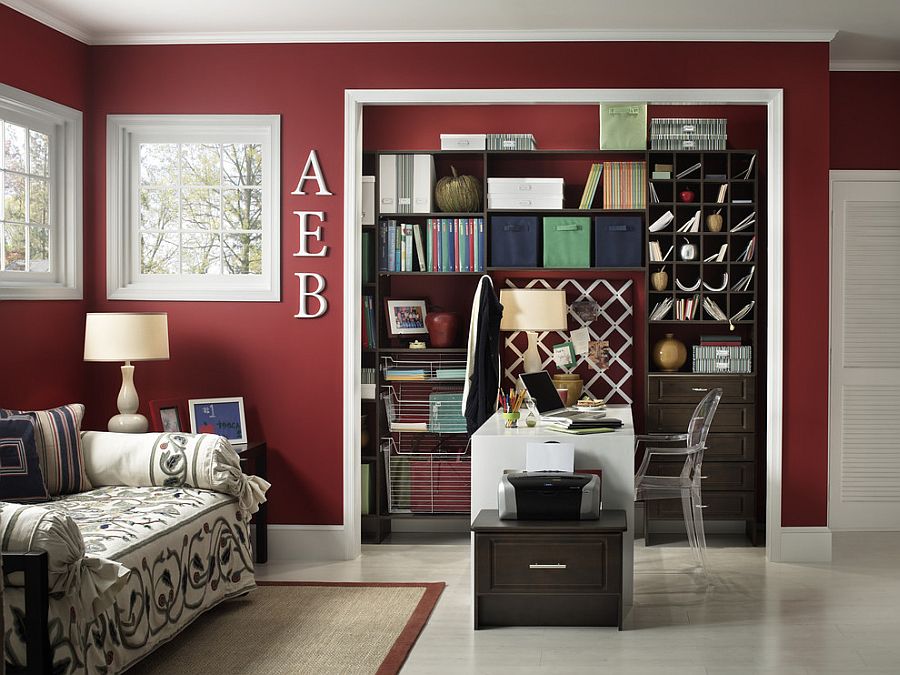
(223, 416)
(168, 414)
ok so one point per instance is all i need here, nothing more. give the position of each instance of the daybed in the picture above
(162, 537)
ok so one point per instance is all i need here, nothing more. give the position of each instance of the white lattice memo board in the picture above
(615, 325)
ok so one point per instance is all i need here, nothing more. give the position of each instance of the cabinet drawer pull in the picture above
(703, 477)
(699, 389)
(702, 506)
(551, 566)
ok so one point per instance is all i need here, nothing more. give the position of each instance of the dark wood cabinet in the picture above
(548, 573)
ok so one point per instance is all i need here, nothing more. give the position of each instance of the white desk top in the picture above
(496, 426)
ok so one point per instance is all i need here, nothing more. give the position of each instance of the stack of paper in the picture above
(743, 284)
(745, 223)
(662, 222)
(692, 225)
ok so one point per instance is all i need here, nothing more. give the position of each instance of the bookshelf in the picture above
(732, 461)
(453, 290)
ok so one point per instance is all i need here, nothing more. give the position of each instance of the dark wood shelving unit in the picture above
(735, 500)
(732, 462)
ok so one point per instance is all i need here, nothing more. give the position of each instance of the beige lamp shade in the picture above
(123, 336)
(533, 309)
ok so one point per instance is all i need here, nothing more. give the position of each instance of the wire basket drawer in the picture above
(429, 483)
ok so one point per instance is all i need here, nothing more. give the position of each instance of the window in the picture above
(40, 198)
(193, 210)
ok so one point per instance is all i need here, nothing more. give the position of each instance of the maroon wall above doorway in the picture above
(288, 370)
(865, 109)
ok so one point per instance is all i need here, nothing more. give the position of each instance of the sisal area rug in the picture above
(302, 627)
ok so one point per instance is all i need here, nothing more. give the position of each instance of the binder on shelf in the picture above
(514, 241)
(406, 183)
(590, 186)
(617, 241)
(367, 216)
(387, 183)
(567, 242)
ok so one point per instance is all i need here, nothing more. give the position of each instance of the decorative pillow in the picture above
(95, 582)
(21, 479)
(57, 437)
(203, 461)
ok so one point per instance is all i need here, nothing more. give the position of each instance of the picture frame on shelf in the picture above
(222, 416)
(405, 317)
(168, 415)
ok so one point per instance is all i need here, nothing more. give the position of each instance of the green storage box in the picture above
(567, 242)
(623, 126)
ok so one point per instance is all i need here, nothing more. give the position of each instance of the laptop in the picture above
(542, 391)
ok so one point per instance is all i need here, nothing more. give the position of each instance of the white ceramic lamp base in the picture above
(128, 421)
(531, 357)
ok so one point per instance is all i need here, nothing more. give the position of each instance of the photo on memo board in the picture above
(222, 416)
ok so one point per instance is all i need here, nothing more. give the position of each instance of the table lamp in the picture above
(124, 336)
(533, 310)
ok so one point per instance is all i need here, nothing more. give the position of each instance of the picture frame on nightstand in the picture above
(168, 415)
(222, 416)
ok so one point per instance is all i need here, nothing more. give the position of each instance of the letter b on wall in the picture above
(311, 298)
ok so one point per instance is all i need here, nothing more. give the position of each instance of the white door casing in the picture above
(864, 369)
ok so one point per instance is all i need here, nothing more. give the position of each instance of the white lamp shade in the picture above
(533, 309)
(122, 336)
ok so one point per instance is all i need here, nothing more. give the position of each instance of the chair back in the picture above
(698, 429)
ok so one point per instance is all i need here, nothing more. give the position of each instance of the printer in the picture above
(549, 495)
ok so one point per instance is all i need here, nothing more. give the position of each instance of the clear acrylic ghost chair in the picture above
(687, 484)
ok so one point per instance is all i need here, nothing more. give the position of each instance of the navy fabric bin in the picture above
(514, 241)
(618, 241)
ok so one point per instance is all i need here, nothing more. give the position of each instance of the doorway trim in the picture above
(778, 548)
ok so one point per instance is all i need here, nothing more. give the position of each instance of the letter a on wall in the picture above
(312, 171)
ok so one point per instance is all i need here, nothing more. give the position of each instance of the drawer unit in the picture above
(717, 475)
(534, 563)
(675, 417)
(548, 573)
(721, 448)
(719, 506)
(690, 389)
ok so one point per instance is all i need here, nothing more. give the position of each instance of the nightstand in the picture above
(548, 573)
(254, 456)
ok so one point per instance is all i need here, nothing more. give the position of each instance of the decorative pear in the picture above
(660, 280)
(714, 222)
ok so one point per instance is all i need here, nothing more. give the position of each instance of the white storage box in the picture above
(463, 141)
(368, 200)
(406, 183)
(525, 201)
(526, 186)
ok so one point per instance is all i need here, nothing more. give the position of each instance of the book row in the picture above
(445, 245)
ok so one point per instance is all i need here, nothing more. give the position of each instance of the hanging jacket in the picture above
(483, 356)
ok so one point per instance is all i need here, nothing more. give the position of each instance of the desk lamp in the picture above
(533, 310)
(123, 336)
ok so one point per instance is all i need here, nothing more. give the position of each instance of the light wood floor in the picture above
(757, 618)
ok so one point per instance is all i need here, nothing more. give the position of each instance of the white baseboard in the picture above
(307, 542)
(804, 545)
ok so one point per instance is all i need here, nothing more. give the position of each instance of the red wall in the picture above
(42, 342)
(865, 132)
(288, 370)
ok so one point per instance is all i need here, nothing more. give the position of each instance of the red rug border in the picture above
(403, 645)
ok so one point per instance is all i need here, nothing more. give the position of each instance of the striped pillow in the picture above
(57, 436)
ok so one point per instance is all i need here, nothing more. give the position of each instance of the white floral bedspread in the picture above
(187, 549)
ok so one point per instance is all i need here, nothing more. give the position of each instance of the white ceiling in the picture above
(866, 32)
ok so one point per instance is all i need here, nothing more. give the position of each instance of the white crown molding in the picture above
(469, 36)
(28, 8)
(861, 65)
(41, 16)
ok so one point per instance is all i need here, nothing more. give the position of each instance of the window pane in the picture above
(243, 253)
(159, 163)
(14, 147)
(39, 206)
(159, 253)
(201, 254)
(14, 243)
(242, 209)
(242, 164)
(14, 197)
(39, 249)
(158, 209)
(39, 149)
(200, 164)
(200, 209)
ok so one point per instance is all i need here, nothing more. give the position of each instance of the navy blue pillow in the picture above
(21, 479)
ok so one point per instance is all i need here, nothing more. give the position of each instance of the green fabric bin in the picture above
(567, 242)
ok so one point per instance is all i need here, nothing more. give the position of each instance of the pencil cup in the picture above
(512, 419)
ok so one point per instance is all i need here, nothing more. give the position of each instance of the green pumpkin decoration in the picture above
(458, 194)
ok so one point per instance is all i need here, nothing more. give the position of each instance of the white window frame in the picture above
(124, 134)
(63, 125)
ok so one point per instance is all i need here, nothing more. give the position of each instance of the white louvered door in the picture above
(864, 420)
